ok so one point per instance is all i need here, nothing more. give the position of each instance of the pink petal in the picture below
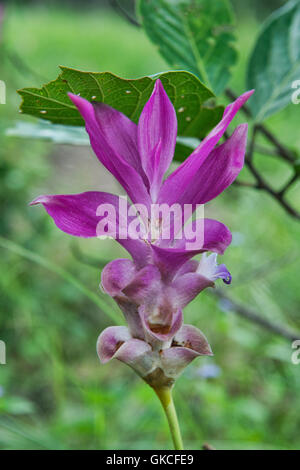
(139, 250)
(76, 214)
(219, 170)
(107, 151)
(115, 342)
(188, 343)
(209, 268)
(192, 338)
(110, 340)
(163, 331)
(145, 285)
(189, 267)
(138, 355)
(178, 182)
(157, 132)
(217, 238)
(121, 134)
(185, 288)
(214, 236)
(116, 275)
(128, 287)
(130, 310)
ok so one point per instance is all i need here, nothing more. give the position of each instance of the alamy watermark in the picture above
(151, 223)
(2, 92)
(296, 354)
(296, 94)
(2, 352)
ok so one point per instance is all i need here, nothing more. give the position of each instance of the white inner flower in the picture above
(208, 266)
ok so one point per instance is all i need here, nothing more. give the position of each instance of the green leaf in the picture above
(275, 62)
(16, 406)
(191, 99)
(57, 133)
(193, 35)
(76, 135)
(184, 147)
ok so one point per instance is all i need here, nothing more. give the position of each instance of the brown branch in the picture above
(264, 270)
(278, 195)
(281, 150)
(266, 151)
(207, 446)
(254, 317)
(288, 184)
(246, 184)
(117, 7)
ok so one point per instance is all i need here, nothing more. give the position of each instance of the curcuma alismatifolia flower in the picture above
(162, 278)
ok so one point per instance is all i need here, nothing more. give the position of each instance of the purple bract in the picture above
(161, 279)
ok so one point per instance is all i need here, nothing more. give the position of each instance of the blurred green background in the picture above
(54, 393)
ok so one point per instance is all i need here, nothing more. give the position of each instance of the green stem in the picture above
(166, 399)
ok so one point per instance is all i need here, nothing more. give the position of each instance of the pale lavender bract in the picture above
(161, 279)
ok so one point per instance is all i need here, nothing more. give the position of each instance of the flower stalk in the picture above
(165, 396)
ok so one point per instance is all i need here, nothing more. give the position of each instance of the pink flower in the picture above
(161, 279)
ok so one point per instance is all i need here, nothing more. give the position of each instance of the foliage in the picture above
(53, 392)
(195, 36)
(275, 62)
(188, 94)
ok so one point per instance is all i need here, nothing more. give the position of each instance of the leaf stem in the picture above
(165, 396)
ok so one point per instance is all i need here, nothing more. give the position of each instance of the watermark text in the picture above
(2, 92)
(181, 225)
(296, 354)
(2, 352)
(296, 94)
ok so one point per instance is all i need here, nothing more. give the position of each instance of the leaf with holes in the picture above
(191, 99)
(275, 62)
(193, 35)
